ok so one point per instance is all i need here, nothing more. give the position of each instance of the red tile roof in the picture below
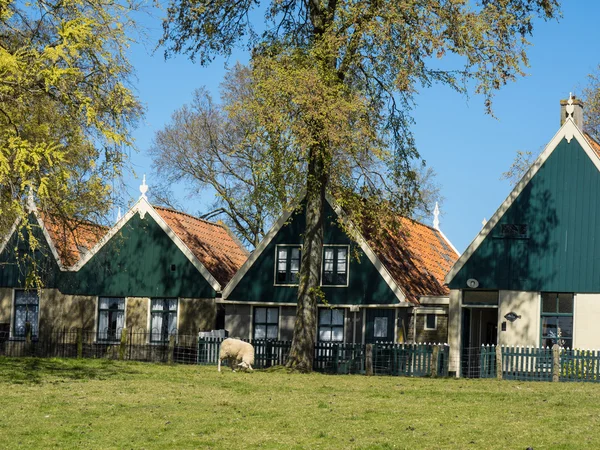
(211, 243)
(72, 238)
(418, 257)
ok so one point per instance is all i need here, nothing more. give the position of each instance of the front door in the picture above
(380, 325)
(479, 327)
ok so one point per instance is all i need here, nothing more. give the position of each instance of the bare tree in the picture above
(207, 147)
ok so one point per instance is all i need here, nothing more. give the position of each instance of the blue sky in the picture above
(468, 149)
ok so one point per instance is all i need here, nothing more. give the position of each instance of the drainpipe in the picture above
(415, 324)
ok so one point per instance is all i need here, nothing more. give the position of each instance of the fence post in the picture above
(28, 333)
(79, 343)
(555, 363)
(369, 360)
(123, 345)
(171, 349)
(435, 361)
(499, 362)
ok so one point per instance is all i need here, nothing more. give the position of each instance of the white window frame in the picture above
(150, 341)
(276, 260)
(97, 319)
(435, 317)
(347, 266)
(12, 332)
(343, 341)
(253, 315)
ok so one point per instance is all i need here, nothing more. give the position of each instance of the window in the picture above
(430, 322)
(380, 327)
(27, 307)
(288, 264)
(163, 315)
(335, 266)
(111, 318)
(266, 323)
(557, 319)
(513, 230)
(331, 325)
(480, 298)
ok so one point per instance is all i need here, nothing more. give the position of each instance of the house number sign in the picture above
(511, 317)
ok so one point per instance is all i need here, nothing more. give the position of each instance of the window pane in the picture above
(484, 297)
(281, 265)
(172, 327)
(565, 303)
(272, 332)
(324, 317)
(340, 279)
(157, 304)
(296, 253)
(341, 266)
(328, 254)
(549, 327)
(173, 304)
(273, 315)
(26, 298)
(281, 277)
(282, 255)
(260, 332)
(565, 327)
(325, 334)
(380, 327)
(260, 315)
(337, 334)
(337, 316)
(103, 303)
(430, 321)
(328, 266)
(548, 302)
(294, 277)
(20, 319)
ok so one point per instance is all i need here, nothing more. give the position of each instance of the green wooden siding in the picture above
(561, 252)
(137, 262)
(365, 285)
(14, 270)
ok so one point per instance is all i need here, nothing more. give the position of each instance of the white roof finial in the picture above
(144, 188)
(436, 216)
(570, 109)
(484, 222)
(119, 214)
(30, 200)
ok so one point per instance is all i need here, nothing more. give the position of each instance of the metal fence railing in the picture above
(538, 363)
(332, 357)
(329, 357)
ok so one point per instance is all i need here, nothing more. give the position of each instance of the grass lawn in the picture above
(52, 403)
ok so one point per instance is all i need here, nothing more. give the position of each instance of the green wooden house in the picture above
(530, 277)
(372, 294)
(156, 271)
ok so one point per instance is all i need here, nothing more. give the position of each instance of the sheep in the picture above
(235, 350)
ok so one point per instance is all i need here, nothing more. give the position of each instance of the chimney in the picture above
(577, 112)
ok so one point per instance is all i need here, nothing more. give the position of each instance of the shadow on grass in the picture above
(38, 370)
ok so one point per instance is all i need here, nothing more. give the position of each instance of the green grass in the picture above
(52, 403)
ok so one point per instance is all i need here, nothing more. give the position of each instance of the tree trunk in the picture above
(305, 328)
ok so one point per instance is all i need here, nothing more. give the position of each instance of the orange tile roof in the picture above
(211, 243)
(593, 143)
(72, 238)
(418, 257)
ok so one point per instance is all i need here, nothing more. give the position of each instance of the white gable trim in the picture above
(568, 131)
(260, 248)
(281, 222)
(13, 228)
(366, 248)
(143, 207)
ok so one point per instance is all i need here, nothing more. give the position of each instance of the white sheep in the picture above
(235, 350)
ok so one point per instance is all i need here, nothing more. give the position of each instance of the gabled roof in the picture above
(568, 131)
(412, 261)
(417, 257)
(72, 238)
(211, 243)
(210, 247)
